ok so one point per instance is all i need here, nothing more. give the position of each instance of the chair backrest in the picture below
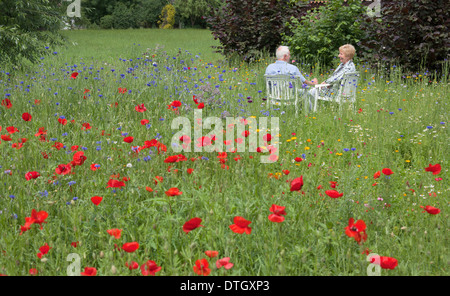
(348, 87)
(282, 87)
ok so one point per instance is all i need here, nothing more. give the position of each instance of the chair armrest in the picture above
(321, 85)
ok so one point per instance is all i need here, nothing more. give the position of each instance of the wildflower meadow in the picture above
(97, 179)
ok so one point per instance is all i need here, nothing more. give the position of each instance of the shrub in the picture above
(247, 28)
(318, 35)
(147, 12)
(167, 18)
(26, 28)
(412, 33)
(123, 17)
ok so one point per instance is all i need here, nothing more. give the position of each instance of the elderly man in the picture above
(282, 66)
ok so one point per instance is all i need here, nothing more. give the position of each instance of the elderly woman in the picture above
(346, 54)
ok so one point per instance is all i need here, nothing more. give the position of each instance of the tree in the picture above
(411, 33)
(26, 28)
(195, 10)
(245, 28)
(167, 18)
(319, 34)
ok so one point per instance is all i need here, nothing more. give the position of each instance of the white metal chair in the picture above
(346, 92)
(282, 90)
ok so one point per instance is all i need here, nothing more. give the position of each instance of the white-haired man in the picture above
(282, 66)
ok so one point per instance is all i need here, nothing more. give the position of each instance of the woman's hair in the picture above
(282, 51)
(348, 50)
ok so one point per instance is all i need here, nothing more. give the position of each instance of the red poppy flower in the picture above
(63, 121)
(12, 129)
(240, 225)
(201, 106)
(32, 175)
(33, 271)
(78, 158)
(189, 171)
(89, 271)
(7, 103)
(140, 108)
(333, 184)
(28, 222)
(387, 171)
(86, 126)
(94, 167)
(436, 169)
(278, 213)
(225, 262)
(144, 121)
(26, 116)
(122, 90)
(286, 172)
(173, 192)
(297, 184)
(384, 262)
(431, 210)
(96, 200)
(115, 184)
(192, 224)
(267, 137)
(148, 189)
(130, 247)
(245, 133)
(39, 217)
(132, 265)
(355, 229)
(211, 254)
(58, 145)
(150, 268)
(201, 267)
(333, 193)
(43, 250)
(63, 169)
(41, 132)
(158, 179)
(377, 175)
(204, 141)
(74, 244)
(128, 140)
(174, 105)
(115, 232)
(298, 159)
(319, 187)
(74, 75)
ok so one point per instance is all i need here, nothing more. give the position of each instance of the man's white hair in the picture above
(282, 51)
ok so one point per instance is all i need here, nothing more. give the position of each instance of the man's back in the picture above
(283, 68)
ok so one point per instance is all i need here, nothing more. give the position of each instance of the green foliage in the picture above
(26, 27)
(167, 17)
(107, 22)
(123, 17)
(318, 35)
(409, 32)
(194, 11)
(146, 12)
(247, 28)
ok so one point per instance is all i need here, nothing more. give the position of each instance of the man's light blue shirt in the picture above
(281, 67)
